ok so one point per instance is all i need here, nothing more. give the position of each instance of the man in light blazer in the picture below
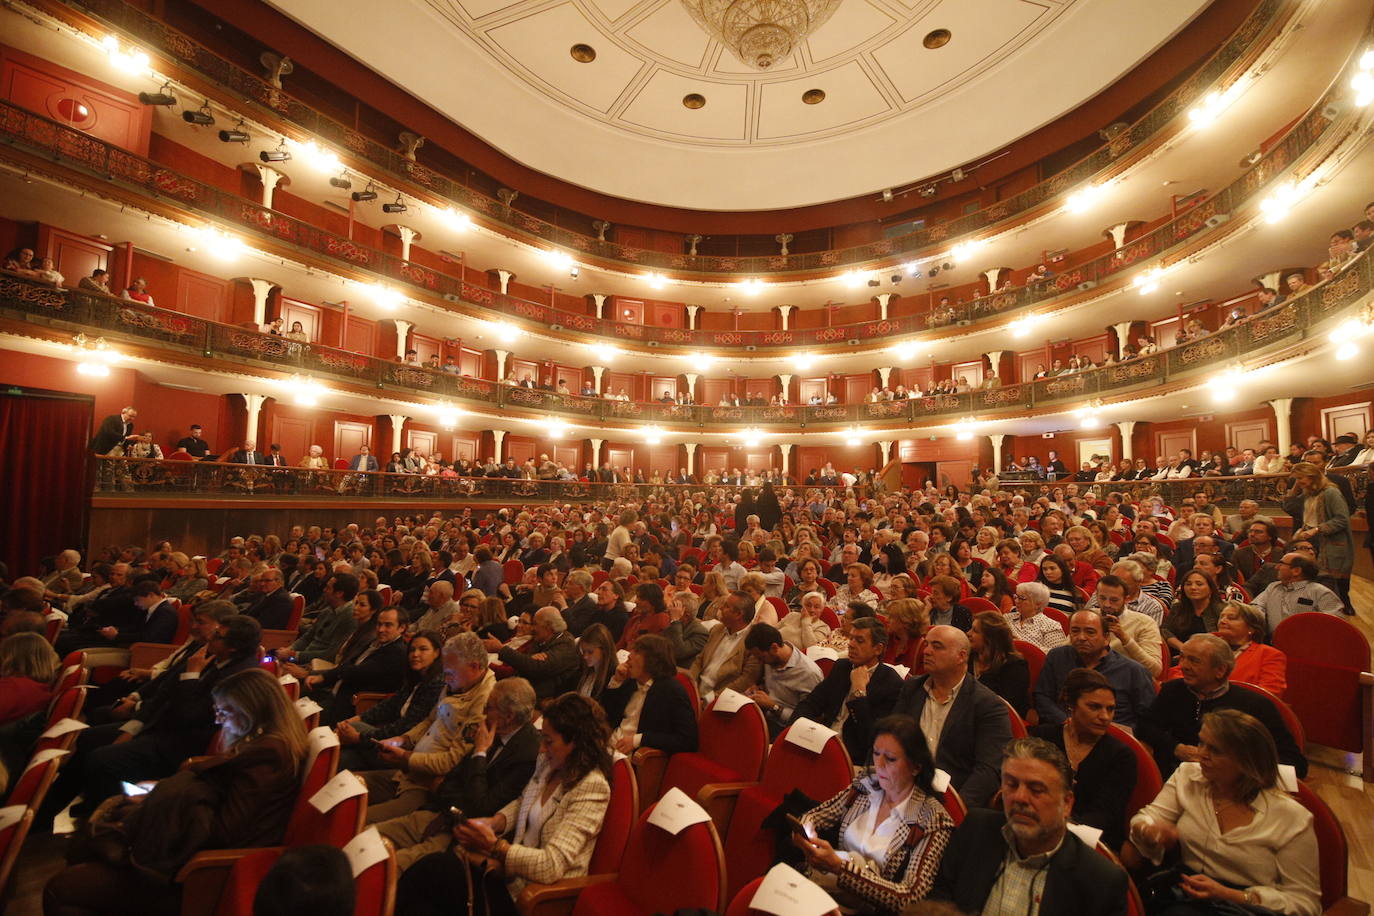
(724, 662)
(968, 724)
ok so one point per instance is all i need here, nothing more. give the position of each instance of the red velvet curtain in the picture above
(44, 489)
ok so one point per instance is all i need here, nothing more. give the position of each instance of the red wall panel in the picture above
(76, 100)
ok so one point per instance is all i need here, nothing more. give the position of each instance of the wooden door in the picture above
(425, 347)
(713, 389)
(621, 457)
(758, 460)
(808, 388)
(712, 459)
(360, 336)
(349, 437)
(1247, 434)
(958, 473)
(293, 310)
(761, 389)
(464, 446)
(75, 255)
(856, 388)
(424, 441)
(1088, 448)
(971, 372)
(470, 363)
(520, 369)
(200, 295)
(1349, 418)
(293, 435)
(616, 382)
(660, 384)
(1168, 444)
(570, 456)
(520, 448)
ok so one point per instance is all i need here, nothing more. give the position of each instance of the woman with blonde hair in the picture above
(713, 594)
(907, 622)
(858, 586)
(985, 546)
(28, 667)
(1326, 522)
(192, 576)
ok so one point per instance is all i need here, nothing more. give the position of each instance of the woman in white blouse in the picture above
(878, 843)
(1241, 839)
(857, 587)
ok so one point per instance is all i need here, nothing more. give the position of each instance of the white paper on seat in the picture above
(55, 614)
(365, 850)
(730, 701)
(710, 624)
(318, 665)
(493, 659)
(341, 788)
(286, 680)
(11, 815)
(815, 653)
(676, 812)
(809, 735)
(308, 707)
(902, 670)
(321, 737)
(1089, 835)
(622, 656)
(62, 727)
(939, 781)
(787, 892)
(1288, 777)
(43, 756)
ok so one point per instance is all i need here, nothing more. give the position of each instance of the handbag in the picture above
(1161, 890)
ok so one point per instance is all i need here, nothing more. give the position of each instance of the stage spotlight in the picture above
(398, 206)
(342, 182)
(201, 116)
(365, 194)
(237, 135)
(280, 154)
(162, 97)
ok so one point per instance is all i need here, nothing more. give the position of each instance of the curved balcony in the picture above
(113, 165)
(236, 349)
(414, 178)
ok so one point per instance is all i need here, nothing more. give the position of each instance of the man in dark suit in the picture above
(505, 747)
(271, 606)
(113, 431)
(159, 623)
(363, 461)
(860, 686)
(552, 663)
(248, 454)
(1065, 874)
(101, 620)
(665, 720)
(968, 726)
(378, 668)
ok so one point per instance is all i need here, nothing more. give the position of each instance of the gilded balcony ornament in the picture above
(1207, 349)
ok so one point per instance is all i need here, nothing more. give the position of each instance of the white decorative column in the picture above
(691, 378)
(1272, 280)
(1283, 423)
(887, 451)
(1127, 429)
(884, 373)
(402, 336)
(691, 457)
(398, 422)
(407, 235)
(270, 178)
(597, 372)
(254, 404)
(600, 300)
(996, 440)
(692, 316)
(1123, 338)
(261, 290)
(1117, 234)
(505, 277)
(499, 436)
(500, 363)
(786, 449)
(994, 358)
(596, 452)
(785, 380)
(786, 312)
(883, 300)
(994, 276)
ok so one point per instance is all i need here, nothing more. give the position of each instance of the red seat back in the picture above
(830, 618)
(11, 842)
(1058, 617)
(662, 873)
(1147, 779)
(1286, 713)
(297, 609)
(322, 760)
(954, 805)
(340, 464)
(183, 623)
(1332, 855)
(212, 566)
(739, 903)
(1018, 726)
(54, 629)
(690, 686)
(619, 820)
(828, 586)
(1035, 660)
(825, 664)
(980, 604)
(1325, 658)
(31, 785)
(334, 827)
(514, 571)
(732, 748)
(779, 607)
(375, 888)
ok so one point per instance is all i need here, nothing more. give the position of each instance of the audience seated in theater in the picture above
(505, 746)
(1029, 623)
(438, 743)
(1104, 767)
(1240, 838)
(1089, 647)
(1134, 633)
(645, 705)
(249, 790)
(570, 784)
(176, 720)
(270, 603)
(996, 663)
(550, 661)
(1170, 725)
(723, 661)
(804, 627)
(1245, 630)
(687, 633)
(964, 723)
(99, 621)
(648, 614)
(1324, 510)
(333, 625)
(28, 668)
(880, 841)
(373, 661)
(858, 691)
(597, 650)
(788, 675)
(1296, 591)
(1023, 856)
(422, 685)
(945, 609)
(1197, 609)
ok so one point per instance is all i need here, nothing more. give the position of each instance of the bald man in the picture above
(965, 723)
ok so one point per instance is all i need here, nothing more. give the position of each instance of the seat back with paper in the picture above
(321, 761)
(661, 873)
(68, 706)
(374, 887)
(32, 785)
(732, 749)
(334, 827)
(17, 820)
(619, 820)
(750, 848)
(739, 899)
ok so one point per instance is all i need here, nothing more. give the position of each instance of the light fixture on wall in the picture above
(237, 134)
(448, 415)
(396, 206)
(653, 435)
(95, 356)
(163, 96)
(364, 195)
(280, 154)
(201, 116)
(305, 391)
(341, 181)
(130, 60)
(963, 430)
(1090, 415)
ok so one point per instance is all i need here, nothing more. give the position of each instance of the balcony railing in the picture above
(154, 34)
(72, 147)
(237, 348)
(120, 477)
(1268, 490)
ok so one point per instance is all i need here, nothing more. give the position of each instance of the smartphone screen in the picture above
(132, 789)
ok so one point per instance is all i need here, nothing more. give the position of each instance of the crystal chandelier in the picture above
(760, 32)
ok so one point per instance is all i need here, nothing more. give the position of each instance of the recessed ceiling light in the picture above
(937, 39)
(694, 100)
(583, 54)
(813, 96)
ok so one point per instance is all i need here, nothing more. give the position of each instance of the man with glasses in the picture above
(1296, 591)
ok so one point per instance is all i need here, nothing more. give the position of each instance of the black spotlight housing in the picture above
(201, 116)
(162, 97)
(342, 182)
(236, 135)
(364, 195)
(280, 154)
(397, 206)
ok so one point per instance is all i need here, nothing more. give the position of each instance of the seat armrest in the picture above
(275, 639)
(718, 798)
(365, 700)
(1348, 906)
(650, 765)
(204, 878)
(557, 899)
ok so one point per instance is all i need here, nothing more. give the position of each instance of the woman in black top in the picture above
(1104, 767)
(995, 662)
(420, 690)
